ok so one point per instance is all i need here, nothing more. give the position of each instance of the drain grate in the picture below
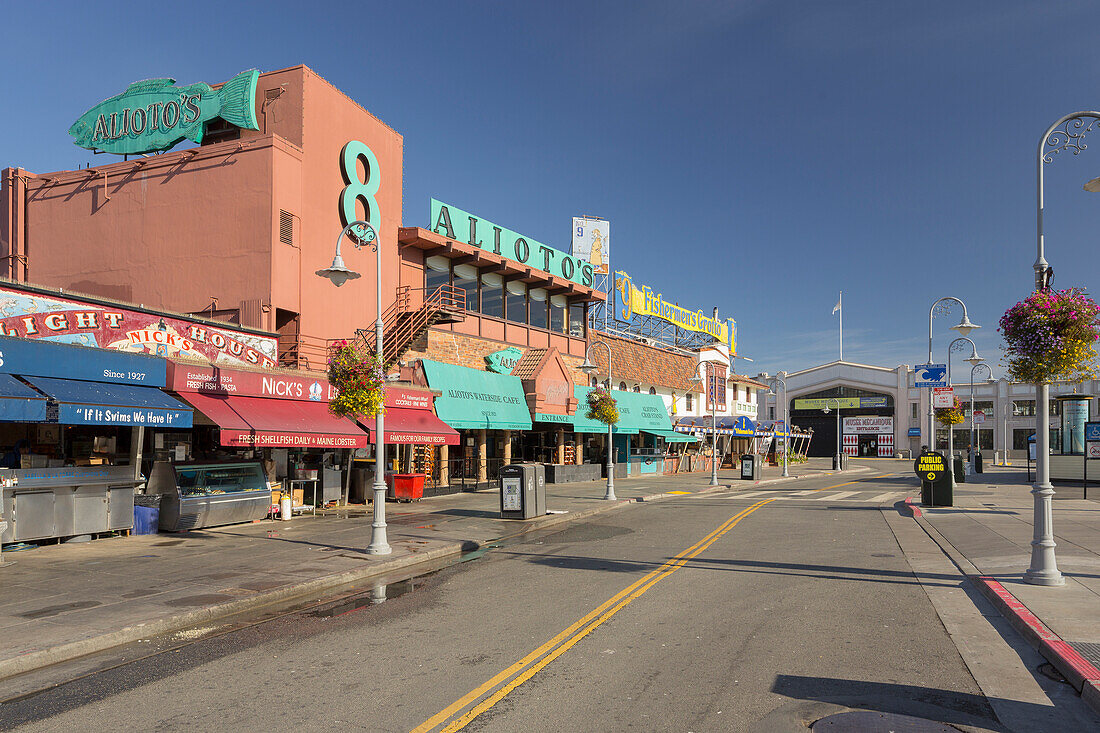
(1089, 650)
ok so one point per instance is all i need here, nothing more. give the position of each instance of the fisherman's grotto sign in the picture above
(154, 115)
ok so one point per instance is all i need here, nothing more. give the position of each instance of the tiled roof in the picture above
(528, 365)
(634, 361)
(740, 379)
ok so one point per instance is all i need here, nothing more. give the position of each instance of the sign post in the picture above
(1092, 450)
(932, 470)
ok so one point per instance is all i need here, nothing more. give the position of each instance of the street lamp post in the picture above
(364, 234)
(712, 398)
(780, 379)
(1067, 133)
(954, 346)
(839, 464)
(1004, 435)
(964, 327)
(589, 368)
(973, 426)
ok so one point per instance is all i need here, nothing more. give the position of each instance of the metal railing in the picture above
(462, 473)
(303, 352)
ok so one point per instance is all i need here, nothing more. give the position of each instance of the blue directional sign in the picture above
(931, 375)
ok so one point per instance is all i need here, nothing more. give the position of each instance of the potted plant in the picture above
(602, 406)
(1051, 335)
(359, 380)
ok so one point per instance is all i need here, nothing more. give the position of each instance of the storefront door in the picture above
(868, 446)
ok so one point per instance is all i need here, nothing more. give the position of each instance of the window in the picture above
(595, 382)
(492, 294)
(689, 400)
(465, 278)
(653, 390)
(577, 312)
(558, 314)
(538, 313)
(1025, 408)
(914, 410)
(622, 386)
(1020, 436)
(437, 272)
(637, 388)
(1055, 407)
(771, 413)
(716, 386)
(516, 302)
(984, 406)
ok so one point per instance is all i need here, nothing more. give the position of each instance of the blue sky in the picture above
(758, 156)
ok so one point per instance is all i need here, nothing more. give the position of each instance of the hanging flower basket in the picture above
(602, 406)
(950, 415)
(359, 379)
(1052, 335)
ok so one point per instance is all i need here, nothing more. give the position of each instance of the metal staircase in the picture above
(410, 318)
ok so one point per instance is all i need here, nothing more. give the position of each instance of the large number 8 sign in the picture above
(360, 190)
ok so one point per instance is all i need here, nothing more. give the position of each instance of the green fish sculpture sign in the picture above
(154, 115)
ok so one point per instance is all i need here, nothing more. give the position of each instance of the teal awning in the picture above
(637, 412)
(671, 436)
(473, 399)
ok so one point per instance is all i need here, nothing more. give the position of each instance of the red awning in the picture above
(259, 422)
(412, 426)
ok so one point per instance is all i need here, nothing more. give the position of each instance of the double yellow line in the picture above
(530, 665)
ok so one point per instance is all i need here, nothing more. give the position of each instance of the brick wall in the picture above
(470, 351)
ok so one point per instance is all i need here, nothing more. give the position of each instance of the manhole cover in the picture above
(870, 721)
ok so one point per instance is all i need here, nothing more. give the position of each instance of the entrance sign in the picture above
(155, 115)
(868, 425)
(930, 466)
(931, 375)
(454, 223)
(943, 397)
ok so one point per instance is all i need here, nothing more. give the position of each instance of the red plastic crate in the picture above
(408, 486)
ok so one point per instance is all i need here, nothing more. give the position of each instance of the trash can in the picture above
(838, 462)
(146, 513)
(407, 486)
(978, 462)
(522, 491)
(748, 467)
(960, 470)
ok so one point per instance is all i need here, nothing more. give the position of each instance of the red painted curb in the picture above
(913, 507)
(1077, 670)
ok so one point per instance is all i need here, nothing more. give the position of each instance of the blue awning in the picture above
(100, 403)
(20, 403)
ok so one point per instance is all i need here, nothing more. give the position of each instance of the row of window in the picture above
(689, 398)
(1024, 408)
(488, 294)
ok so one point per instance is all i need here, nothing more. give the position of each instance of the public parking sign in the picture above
(930, 466)
(931, 375)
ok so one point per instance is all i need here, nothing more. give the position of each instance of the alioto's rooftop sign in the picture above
(154, 114)
(454, 223)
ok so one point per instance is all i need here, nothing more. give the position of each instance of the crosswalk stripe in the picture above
(884, 497)
(804, 493)
(739, 495)
(835, 497)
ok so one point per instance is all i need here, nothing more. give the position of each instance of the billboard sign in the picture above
(592, 242)
(634, 301)
(104, 325)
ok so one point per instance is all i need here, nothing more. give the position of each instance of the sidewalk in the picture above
(59, 602)
(988, 534)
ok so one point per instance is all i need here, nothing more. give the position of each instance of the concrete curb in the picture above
(1077, 670)
(66, 652)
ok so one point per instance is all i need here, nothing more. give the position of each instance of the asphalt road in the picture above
(738, 610)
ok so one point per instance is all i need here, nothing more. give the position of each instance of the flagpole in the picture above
(841, 303)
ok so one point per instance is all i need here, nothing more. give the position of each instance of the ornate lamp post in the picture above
(363, 234)
(964, 327)
(1004, 436)
(589, 368)
(957, 345)
(839, 464)
(1068, 133)
(973, 427)
(780, 379)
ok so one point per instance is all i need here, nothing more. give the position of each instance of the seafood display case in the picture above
(208, 494)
